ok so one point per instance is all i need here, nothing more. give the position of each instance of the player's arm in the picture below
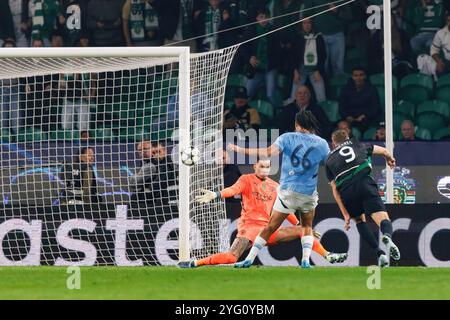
(338, 199)
(381, 151)
(229, 192)
(273, 150)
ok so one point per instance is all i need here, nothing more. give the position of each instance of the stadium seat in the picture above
(441, 134)
(285, 84)
(31, 134)
(336, 85)
(423, 134)
(263, 108)
(443, 88)
(104, 134)
(265, 111)
(404, 107)
(431, 121)
(378, 81)
(5, 136)
(416, 88)
(62, 135)
(369, 133)
(234, 81)
(356, 133)
(331, 109)
(436, 106)
(155, 107)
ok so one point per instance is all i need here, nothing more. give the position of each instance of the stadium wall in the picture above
(74, 235)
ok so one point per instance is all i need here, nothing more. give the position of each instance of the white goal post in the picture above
(159, 82)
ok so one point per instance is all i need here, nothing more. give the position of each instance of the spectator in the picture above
(285, 8)
(6, 22)
(177, 21)
(57, 39)
(345, 125)
(84, 136)
(104, 20)
(331, 25)
(45, 16)
(428, 18)
(286, 123)
(14, 16)
(84, 41)
(308, 59)
(241, 115)
(11, 116)
(81, 180)
(165, 185)
(408, 131)
(262, 56)
(73, 20)
(212, 18)
(441, 46)
(239, 16)
(78, 103)
(380, 134)
(37, 43)
(141, 184)
(141, 23)
(359, 103)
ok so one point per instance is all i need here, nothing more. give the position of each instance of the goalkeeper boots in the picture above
(336, 257)
(187, 264)
(243, 264)
(393, 249)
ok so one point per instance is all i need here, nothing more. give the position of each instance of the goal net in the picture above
(90, 172)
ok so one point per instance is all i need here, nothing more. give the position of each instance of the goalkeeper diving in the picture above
(258, 193)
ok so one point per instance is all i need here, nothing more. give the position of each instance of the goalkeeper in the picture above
(258, 193)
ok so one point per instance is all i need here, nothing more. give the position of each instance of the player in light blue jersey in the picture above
(303, 151)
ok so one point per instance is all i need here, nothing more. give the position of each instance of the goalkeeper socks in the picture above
(307, 244)
(386, 227)
(368, 236)
(258, 245)
(317, 247)
(218, 258)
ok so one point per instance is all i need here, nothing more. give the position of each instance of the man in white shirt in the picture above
(441, 45)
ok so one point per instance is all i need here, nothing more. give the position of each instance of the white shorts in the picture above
(290, 201)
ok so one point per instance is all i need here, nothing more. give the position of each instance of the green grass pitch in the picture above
(221, 283)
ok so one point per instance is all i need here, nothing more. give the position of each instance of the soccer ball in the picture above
(190, 156)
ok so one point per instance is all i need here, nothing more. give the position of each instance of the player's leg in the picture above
(374, 206)
(276, 219)
(381, 218)
(368, 236)
(307, 238)
(286, 234)
(237, 248)
(353, 198)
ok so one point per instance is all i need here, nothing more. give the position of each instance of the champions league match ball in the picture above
(190, 156)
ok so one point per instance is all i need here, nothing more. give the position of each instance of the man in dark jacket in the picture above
(359, 103)
(262, 56)
(105, 22)
(176, 23)
(80, 179)
(286, 119)
(6, 22)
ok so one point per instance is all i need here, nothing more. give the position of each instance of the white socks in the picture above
(258, 245)
(307, 244)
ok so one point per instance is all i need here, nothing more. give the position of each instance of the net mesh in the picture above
(89, 159)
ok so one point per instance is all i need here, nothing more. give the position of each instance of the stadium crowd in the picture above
(331, 64)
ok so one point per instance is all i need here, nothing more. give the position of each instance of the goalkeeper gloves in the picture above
(207, 196)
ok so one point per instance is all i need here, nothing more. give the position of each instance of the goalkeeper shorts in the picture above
(250, 230)
(290, 201)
